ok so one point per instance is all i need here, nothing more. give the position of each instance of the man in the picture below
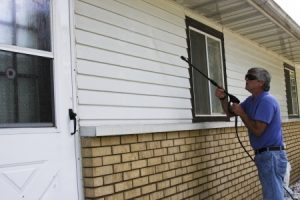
(260, 113)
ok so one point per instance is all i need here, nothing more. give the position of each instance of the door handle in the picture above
(72, 116)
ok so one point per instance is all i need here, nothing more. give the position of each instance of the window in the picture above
(206, 52)
(291, 90)
(26, 82)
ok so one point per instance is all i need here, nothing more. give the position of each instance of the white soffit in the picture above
(261, 21)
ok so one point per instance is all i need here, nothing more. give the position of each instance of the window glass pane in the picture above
(203, 47)
(25, 23)
(25, 89)
(291, 91)
(200, 84)
(288, 90)
(215, 71)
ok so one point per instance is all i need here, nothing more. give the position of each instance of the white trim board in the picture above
(125, 129)
(109, 130)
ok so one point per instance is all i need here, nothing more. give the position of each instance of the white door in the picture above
(37, 151)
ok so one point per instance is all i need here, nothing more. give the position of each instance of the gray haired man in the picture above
(260, 113)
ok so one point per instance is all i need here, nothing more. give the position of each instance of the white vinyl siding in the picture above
(129, 69)
(130, 75)
(241, 55)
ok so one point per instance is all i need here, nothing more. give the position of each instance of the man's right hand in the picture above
(220, 93)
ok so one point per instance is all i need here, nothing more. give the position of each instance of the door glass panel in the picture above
(25, 23)
(26, 91)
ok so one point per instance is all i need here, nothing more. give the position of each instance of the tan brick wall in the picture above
(202, 164)
(292, 140)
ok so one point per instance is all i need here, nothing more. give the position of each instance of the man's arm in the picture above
(256, 127)
(224, 101)
(226, 108)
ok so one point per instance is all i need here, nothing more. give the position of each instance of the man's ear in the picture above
(261, 83)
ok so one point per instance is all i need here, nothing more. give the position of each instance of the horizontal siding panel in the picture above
(131, 100)
(128, 63)
(110, 44)
(247, 49)
(172, 8)
(107, 112)
(154, 11)
(236, 69)
(121, 86)
(128, 24)
(117, 123)
(237, 78)
(137, 15)
(235, 82)
(242, 62)
(108, 30)
(116, 72)
(252, 60)
(237, 92)
(242, 55)
(103, 56)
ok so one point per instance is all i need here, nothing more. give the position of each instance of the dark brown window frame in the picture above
(288, 91)
(208, 30)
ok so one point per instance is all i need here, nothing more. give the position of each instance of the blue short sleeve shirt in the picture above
(264, 108)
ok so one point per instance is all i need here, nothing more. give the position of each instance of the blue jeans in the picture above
(271, 167)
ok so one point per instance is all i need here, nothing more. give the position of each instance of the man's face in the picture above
(252, 83)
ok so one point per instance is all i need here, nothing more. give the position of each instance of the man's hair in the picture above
(262, 75)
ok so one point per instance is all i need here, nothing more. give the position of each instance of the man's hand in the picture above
(220, 93)
(256, 127)
(237, 109)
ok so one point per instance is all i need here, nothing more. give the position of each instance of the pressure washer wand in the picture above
(232, 98)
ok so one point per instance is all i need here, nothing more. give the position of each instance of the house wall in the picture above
(128, 63)
(129, 71)
(240, 56)
(130, 76)
(199, 164)
(292, 140)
